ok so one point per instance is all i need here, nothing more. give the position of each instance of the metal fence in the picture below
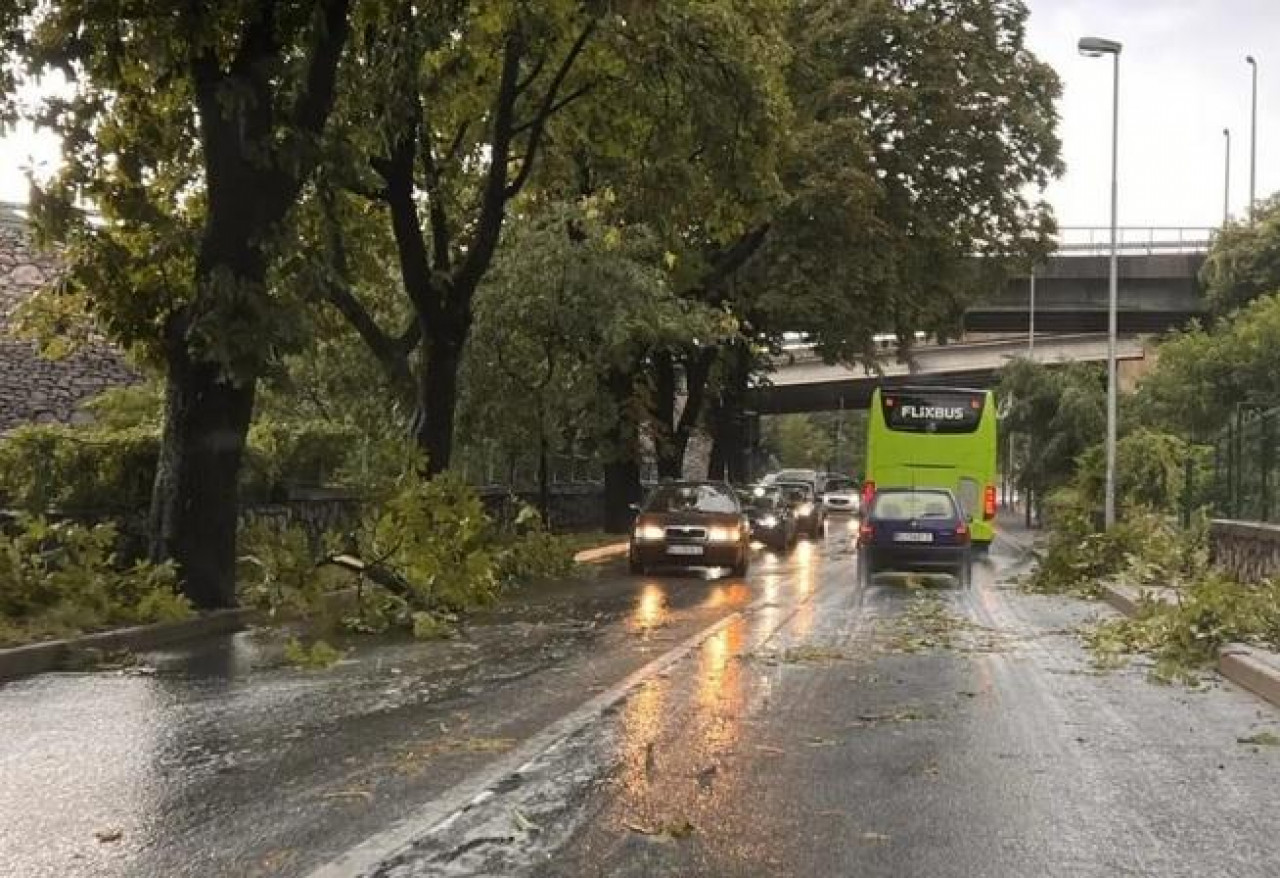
(1146, 240)
(1244, 464)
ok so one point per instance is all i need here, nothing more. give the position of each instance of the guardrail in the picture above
(1147, 240)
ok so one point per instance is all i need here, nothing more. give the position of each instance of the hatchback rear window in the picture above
(691, 498)
(908, 505)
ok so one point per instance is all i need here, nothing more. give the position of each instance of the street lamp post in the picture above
(1096, 47)
(1253, 138)
(1031, 318)
(1226, 183)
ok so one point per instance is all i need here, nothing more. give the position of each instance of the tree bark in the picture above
(718, 464)
(438, 397)
(729, 432)
(622, 485)
(195, 506)
(621, 489)
(674, 432)
(250, 189)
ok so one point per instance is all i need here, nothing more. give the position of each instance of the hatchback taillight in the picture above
(962, 531)
(866, 533)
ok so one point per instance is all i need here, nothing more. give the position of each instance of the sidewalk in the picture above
(1011, 527)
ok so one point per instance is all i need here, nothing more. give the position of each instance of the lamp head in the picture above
(1252, 61)
(1096, 47)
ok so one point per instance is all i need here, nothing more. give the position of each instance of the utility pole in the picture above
(1226, 185)
(1253, 139)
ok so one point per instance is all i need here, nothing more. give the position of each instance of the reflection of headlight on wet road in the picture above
(723, 534)
(805, 509)
(769, 521)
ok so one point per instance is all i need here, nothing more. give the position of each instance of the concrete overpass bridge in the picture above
(1158, 288)
(806, 384)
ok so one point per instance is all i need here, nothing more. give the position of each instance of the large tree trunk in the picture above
(195, 505)
(621, 489)
(544, 483)
(670, 457)
(730, 425)
(674, 431)
(622, 485)
(717, 464)
(438, 397)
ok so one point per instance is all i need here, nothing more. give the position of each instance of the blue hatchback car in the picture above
(914, 530)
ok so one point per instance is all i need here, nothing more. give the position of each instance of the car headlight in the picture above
(723, 534)
(805, 509)
(769, 521)
(649, 532)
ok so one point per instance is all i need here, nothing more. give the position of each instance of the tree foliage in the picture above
(1244, 262)
(921, 130)
(573, 293)
(1055, 413)
(1201, 374)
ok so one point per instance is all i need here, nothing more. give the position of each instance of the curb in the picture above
(52, 655)
(1255, 669)
(1249, 667)
(602, 553)
(1128, 600)
(35, 658)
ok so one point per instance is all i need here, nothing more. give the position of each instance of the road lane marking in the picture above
(438, 814)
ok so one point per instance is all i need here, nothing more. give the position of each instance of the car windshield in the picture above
(908, 505)
(796, 493)
(762, 498)
(796, 475)
(691, 498)
(840, 486)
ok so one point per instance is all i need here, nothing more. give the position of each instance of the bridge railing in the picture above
(1147, 240)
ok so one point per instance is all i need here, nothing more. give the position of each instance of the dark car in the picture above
(810, 514)
(773, 520)
(691, 524)
(914, 530)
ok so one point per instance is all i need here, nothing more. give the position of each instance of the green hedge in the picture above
(54, 466)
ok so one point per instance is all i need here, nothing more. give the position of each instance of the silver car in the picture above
(840, 496)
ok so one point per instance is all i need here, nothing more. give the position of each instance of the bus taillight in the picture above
(868, 494)
(989, 502)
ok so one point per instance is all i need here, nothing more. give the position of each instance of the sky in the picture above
(1183, 78)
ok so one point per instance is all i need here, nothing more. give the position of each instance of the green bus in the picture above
(936, 437)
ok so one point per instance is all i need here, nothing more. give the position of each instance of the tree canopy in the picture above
(1244, 262)
(1054, 413)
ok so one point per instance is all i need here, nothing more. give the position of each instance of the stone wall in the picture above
(34, 389)
(1248, 550)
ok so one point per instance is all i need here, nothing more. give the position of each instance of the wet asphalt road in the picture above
(820, 730)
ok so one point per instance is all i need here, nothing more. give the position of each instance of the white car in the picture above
(841, 497)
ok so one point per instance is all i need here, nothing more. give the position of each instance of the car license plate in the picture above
(684, 550)
(912, 537)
